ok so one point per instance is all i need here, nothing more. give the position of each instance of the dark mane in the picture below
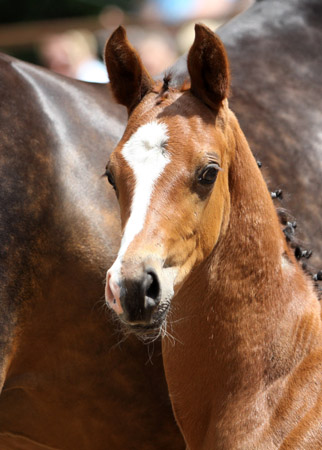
(168, 84)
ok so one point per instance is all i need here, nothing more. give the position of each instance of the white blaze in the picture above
(145, 153)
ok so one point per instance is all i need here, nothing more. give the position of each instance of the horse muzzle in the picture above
(137, 292)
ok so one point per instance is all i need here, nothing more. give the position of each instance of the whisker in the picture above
(166, 334)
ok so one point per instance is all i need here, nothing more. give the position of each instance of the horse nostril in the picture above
(140, 294)
(152, 285)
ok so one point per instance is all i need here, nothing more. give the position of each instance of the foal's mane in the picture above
(170, 84)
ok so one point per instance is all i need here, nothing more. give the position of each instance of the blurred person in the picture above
(73, 53)
(185, 13)
(171, 11)
(156, 46)
(176, 11)
(157, 52)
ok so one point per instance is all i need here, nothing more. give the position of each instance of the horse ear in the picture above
(129, 79)
(208, 67)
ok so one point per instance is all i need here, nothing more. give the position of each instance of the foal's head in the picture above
(170, 174)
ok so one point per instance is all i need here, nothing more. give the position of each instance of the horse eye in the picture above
(209, 174)
(110, 178)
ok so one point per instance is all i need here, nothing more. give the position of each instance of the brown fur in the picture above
(244, 362)
(209, 76)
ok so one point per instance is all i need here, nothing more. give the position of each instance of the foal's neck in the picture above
(251, 270)
(252, 264)
(238, 313)
(255, 286)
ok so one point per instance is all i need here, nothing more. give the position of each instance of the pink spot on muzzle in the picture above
(112, 294)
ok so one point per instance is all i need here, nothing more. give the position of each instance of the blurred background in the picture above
(68, 36)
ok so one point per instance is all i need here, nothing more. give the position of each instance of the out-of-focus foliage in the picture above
(27, 10)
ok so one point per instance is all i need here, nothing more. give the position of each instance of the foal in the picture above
(200, 233)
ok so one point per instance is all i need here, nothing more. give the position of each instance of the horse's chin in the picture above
(149, 330)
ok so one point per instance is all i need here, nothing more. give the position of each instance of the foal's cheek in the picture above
(212, 225)
(125, 209)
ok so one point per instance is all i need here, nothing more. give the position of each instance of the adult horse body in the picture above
(204, 256)
(276, 66)
(66, 383)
